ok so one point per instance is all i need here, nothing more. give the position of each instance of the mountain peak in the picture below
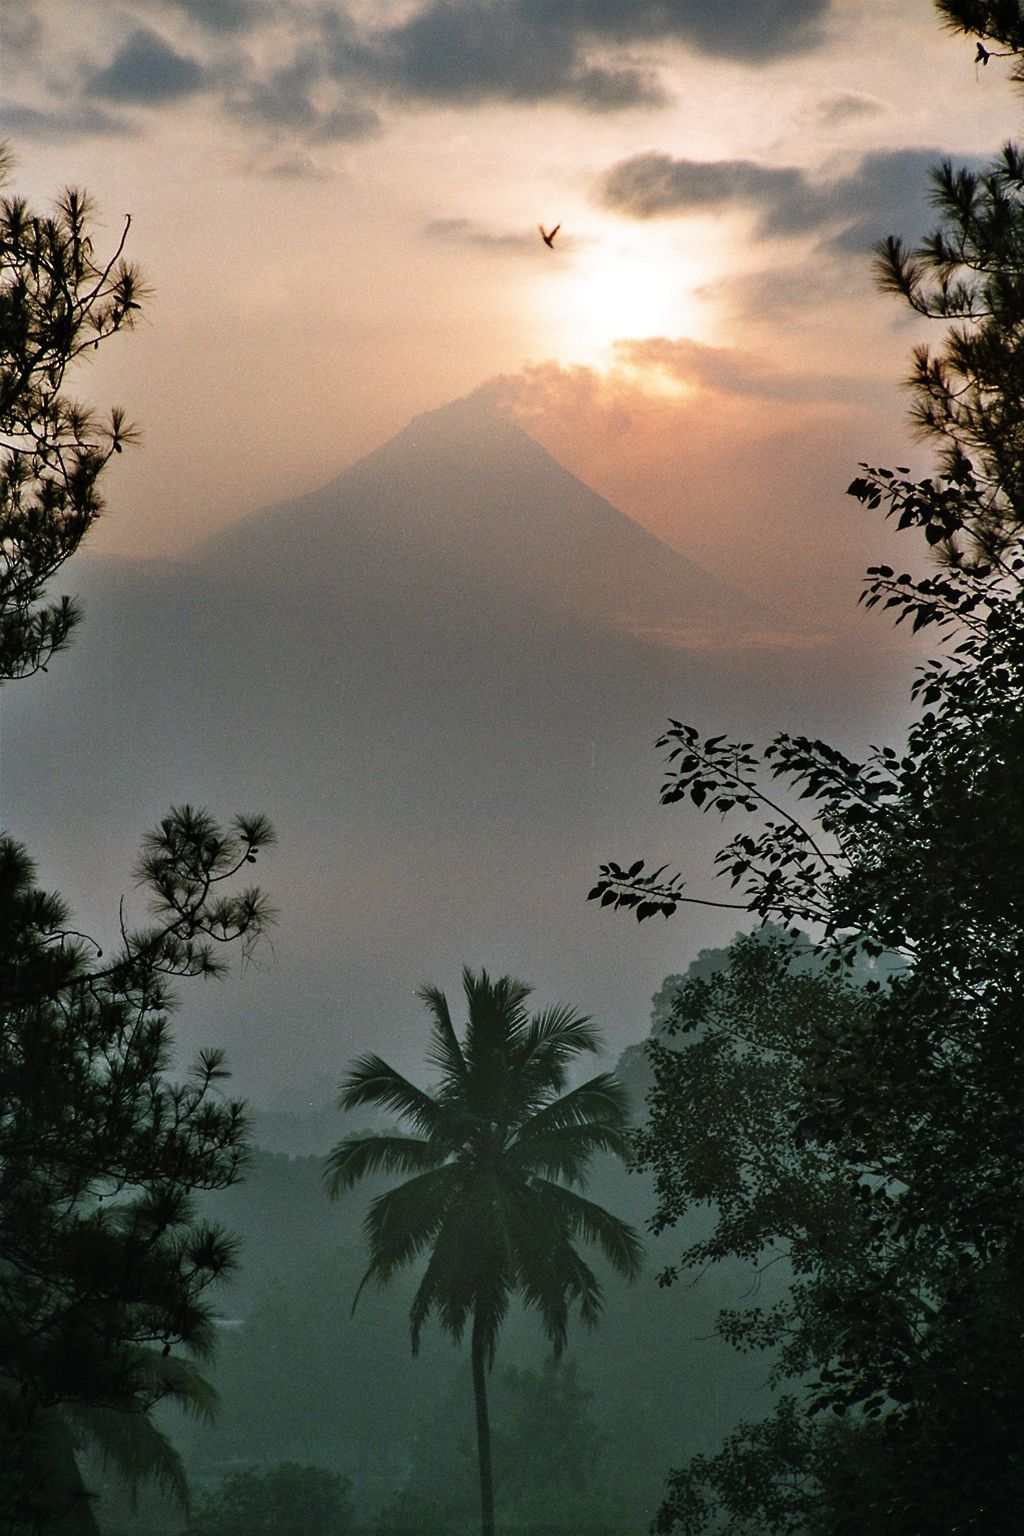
(463, 500)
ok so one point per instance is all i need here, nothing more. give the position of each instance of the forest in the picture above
(760, 1279)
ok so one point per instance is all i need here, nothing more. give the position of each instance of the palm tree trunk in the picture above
(483, 1429)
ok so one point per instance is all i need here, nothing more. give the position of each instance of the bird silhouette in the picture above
(549, 239)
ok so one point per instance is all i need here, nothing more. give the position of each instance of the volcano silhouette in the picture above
(462, 506)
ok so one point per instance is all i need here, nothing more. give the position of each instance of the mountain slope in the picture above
(464, 506)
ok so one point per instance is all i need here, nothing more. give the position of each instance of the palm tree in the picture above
(497, 1147)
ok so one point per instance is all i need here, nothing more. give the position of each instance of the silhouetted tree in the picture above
(900, 1105)
(103, 1264)
(286, 1500)
(999, 23)
(58, 302)
(498, 1145)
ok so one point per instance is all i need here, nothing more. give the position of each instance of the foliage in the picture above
(58, 302)
(720, 1128)
(500, 1144)
(286, 1500)
(490, 1197)
(999, 22)
(867, 1312)
(870, 1134)
(103, 1264)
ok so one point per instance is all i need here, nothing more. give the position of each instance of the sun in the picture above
(626, 288)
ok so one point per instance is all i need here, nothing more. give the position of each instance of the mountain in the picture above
(437, 677)
(464, 507)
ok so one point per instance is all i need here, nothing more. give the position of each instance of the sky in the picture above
(336, 205)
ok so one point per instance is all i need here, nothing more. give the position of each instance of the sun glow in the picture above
(606, 291)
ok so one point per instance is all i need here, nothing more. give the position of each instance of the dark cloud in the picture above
(464, 52)
(58, 126)
(329, 61)
(612, 90)
(287, 167)
(147, 71)
(351, 121)
(219, 15)
(23, 31)
(652, 185)
(477, 34)
(286, 100)
(468, 50)
(889, 191)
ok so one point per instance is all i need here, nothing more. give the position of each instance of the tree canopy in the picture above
(285, 1500)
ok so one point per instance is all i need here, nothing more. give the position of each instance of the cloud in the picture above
(289, 166)
(219, 16)
(289, 99)
(890, 193)
(467, 232)
(322, 68)
(651, 185)
(58, 126)
(464, 51)
(23, 30)
(476, 33)
(732, 371)
(887, 191)
(845, 105)
(146, 71)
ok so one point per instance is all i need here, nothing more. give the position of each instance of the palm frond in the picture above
(496, 1018)
(172, 1376)
(59, 1493)
(372, 1081)
(616, 1239)
(357, 1156)
(402, 1222)
(569, 1280)
(601, 1099)
(470, 1265)
(133, 1446)
(552, 1038)
(491, 1302)
(564, 1152)
(443, 1289)
(445, 1051)
(550, 1274)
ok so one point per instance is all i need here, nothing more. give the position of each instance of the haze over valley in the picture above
(441, 677)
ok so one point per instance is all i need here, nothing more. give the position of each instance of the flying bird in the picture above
(549, 238)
